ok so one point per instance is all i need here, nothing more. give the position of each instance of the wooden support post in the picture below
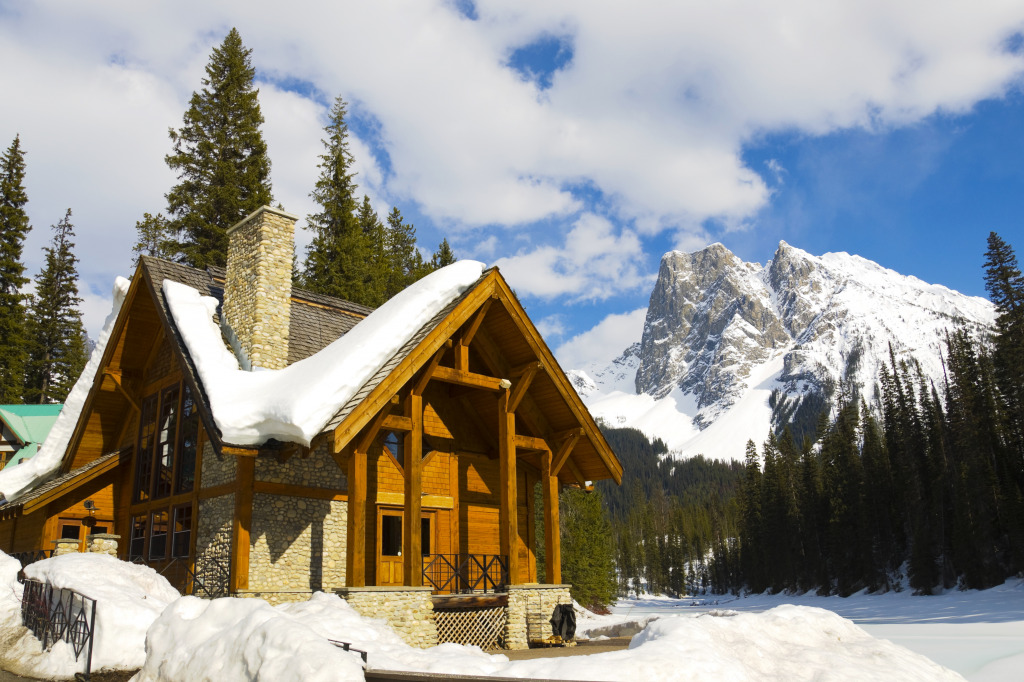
(412, 550)
(243, 523)
(508, 517)
(356, 555)
(552, 540)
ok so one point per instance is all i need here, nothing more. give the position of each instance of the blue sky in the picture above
(570, 143)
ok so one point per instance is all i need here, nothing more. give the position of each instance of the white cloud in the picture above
(653, 111)
(603, 343)
(594, 263)
(552, 326)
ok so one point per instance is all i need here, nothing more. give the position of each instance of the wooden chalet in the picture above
(424, 479)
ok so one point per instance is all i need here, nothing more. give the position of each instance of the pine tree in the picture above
(155, 238)
(56, 335)
(14, 226)
(587, 552)
(337, 258)
(220, 157)
(443, 256)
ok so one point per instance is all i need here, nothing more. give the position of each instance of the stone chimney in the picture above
(258, 288)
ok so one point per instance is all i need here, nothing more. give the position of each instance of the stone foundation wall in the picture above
(531, 604)
(213, 538)
(409, 610)
(297, 544)
(216, 469)
(317, 470)
(275, 598)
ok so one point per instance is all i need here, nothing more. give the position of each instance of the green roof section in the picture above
(26, 452)
(30, 423)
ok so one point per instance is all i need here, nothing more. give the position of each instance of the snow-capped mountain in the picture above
(721, 335)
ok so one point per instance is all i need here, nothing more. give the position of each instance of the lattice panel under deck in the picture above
(482, 627)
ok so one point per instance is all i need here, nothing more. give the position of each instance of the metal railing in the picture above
(348, 647)
(32, 556)
(463, 573)
(53, 614)
(209, 579)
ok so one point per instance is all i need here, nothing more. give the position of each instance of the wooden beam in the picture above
(576, 473)
(116, 378)
(397, 422)
(508, 513)
(428, 371)
(356, 555)
(371, 431)
(239, 451)
(242, 524)
(531, 443)
(474, 325)
(463, 378)
(412, 550)
(268, 488)
(564, 450)
(522, 384)
(552, 539)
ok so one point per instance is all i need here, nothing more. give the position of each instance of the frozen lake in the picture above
(979, 634)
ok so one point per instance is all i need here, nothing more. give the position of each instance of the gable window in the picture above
(394, 442)
(167, 445)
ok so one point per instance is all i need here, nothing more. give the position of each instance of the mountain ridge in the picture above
(735, 347)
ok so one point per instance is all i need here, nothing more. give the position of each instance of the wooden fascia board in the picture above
(412, 362)
(198, 394)
(558, 377)
(77, 481)
(97, 382)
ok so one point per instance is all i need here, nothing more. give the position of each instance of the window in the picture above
(182, 538)
(395, 444)
(138, 541)
(144, 454)
(391, 535)
(425, 536)
(166, 442)
(185, 477)
(158, 535)
(70, 532)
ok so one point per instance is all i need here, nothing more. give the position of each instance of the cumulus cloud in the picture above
(650, 112)
(603, 343)
(595, 262)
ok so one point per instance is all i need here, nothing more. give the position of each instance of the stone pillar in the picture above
(63, 546)
(258, 285)
(529, 611)
(409, 610)
(102, 543)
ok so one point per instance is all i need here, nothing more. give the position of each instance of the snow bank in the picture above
(128, 598)
(15, 481)
(295, 403)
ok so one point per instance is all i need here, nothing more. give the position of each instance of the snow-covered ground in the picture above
(979, 634)
(758, 638)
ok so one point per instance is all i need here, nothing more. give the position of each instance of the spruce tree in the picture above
(404, 262)
(14, 226)
(56, 334)
(443, 256)
(220, 157)
(154, 238)
(337, 258)
(376, 270)
(587, 552)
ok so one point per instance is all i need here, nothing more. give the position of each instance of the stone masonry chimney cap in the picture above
(261, 209)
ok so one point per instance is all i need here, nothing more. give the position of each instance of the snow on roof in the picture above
(295, 403)
(17, 480)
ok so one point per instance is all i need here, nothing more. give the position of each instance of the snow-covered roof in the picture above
(296, 403)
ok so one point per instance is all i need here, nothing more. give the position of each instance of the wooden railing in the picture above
(465, 573)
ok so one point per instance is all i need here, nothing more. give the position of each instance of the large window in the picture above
(168, 440)
(181, 543)
(158, 535)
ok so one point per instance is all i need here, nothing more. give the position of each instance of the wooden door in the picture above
(389, 547)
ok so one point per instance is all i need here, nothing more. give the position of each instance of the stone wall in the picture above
(213, 540)
(530, 607)
(217, 469)
(297, 544)
(409, 610)
(258, 285)
(102, 543)
(317, 470)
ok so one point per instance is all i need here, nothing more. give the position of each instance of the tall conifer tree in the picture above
(220, 157)
(443, 256)
(337, 258)
(14, 226)
(56, 334)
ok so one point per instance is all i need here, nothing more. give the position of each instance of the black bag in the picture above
(563, 621)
